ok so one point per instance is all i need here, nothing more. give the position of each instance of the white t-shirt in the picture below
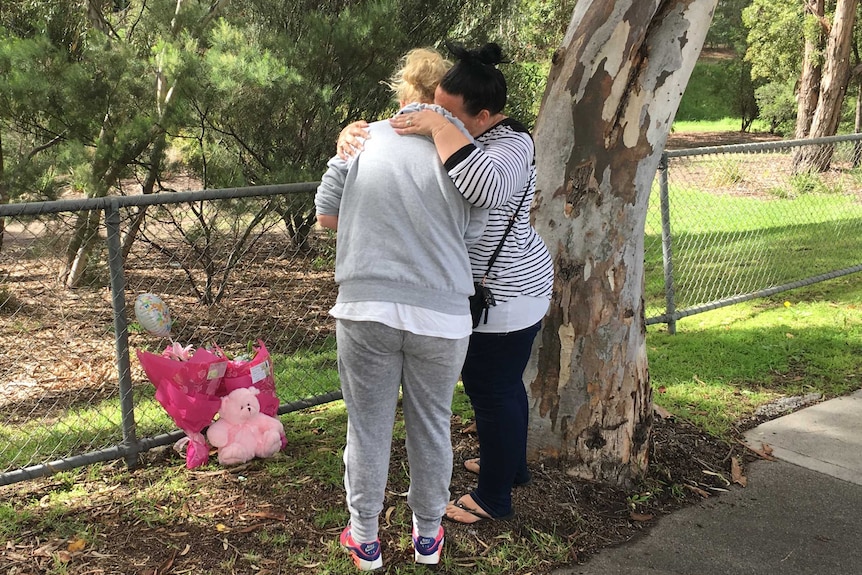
(418, 320)
(514, 315)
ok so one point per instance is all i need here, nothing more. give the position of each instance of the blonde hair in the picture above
(419, 74)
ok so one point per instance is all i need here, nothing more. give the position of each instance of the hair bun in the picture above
(490, 54)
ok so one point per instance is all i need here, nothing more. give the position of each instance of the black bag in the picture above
(480, 302)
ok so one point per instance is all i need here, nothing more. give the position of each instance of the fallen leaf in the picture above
(470, 428)
(166, 567)
(789, 335)
(44, 551)
(252, 527)
(186, 550)
(76, 545)
(765, 451)
(266, 515)
(641, 517)
(15, 556)
(736, 472)
(698, 490)
(63, 556)
(222, 527)
(388, 515)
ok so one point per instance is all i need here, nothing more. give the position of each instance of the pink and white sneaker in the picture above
(366, 556)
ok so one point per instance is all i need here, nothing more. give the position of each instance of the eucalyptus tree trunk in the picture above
(833, 87)
(809, 80)
(614, 88)
(157, 156)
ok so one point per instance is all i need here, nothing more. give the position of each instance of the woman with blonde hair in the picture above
(402, 313)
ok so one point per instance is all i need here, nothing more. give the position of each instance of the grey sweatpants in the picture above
(374, 361)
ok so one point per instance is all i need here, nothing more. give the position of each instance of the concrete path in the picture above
(800, 515)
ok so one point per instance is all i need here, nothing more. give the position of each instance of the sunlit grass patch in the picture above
(723, 364)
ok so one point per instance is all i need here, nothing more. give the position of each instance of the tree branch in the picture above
(44, 147)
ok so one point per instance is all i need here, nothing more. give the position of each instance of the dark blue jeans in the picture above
(493, 379)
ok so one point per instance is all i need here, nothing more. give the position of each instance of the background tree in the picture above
(804, 48)
(727, 34)
(248, 92)
(614, 88)
(774, 53)
(834, 80)
(37, 79)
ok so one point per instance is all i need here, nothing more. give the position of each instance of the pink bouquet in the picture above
(187, 386)
(253, 372)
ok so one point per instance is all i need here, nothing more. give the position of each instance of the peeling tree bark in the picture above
(833, 87)
(614, 89)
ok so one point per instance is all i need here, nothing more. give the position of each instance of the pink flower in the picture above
(177, 352)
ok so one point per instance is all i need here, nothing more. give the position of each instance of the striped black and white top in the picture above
(498, 176)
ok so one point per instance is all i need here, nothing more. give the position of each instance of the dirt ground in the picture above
(242, 520)
(679, 141)
(231, 507)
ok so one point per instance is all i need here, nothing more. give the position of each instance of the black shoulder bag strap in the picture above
(503, 239)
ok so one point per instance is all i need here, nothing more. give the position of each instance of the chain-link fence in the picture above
(732, 223)
(234, 267)
(237, 266)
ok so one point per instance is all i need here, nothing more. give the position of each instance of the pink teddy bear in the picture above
(242, 432)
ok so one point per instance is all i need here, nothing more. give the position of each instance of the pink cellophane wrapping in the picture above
(254, 373)
(188, 391)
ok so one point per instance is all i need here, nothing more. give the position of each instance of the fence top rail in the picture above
(74, 205)
(762, 146)
(115, 202)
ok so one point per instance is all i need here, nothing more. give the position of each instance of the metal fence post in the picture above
(121, 332)
(666, 247)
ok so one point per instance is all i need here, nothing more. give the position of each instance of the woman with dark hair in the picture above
(498, 172)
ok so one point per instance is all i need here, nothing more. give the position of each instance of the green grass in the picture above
(719, 368)
(91, 425)
(725, 244)
(723, 364)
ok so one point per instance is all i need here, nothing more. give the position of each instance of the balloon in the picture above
(153, 315)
